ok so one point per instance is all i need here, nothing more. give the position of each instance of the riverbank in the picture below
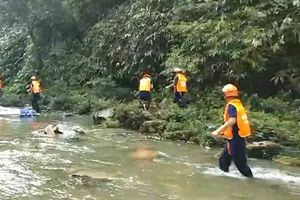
(275, 121)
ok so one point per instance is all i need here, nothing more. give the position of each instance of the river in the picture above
(40, 168)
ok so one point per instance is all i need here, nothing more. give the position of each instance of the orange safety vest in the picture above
(181, 83)
(242, 120)
(36, 87)
(145, 84)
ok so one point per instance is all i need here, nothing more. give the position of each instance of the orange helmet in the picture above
(230, 90)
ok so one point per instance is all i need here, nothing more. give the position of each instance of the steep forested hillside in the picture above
(253, 43)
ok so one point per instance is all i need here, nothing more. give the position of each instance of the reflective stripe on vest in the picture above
(242, 120)
(35, 87)
(145, 84)
(181, 83)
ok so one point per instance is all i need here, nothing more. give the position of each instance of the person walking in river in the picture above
(235, 130)
(145, 88)
(35, 89)
(180, 87)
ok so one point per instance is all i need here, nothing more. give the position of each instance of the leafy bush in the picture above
(274, 105)
(14, 100)
(63, 102)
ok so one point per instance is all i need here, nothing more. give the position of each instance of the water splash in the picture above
(16, 178)
(291, 180)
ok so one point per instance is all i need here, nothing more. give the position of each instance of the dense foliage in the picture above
(253, 43)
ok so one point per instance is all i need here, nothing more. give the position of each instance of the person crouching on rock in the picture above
(145, 89)
(235, 130)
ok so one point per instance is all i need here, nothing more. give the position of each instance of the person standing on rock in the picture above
(180, 87)
(235, 130)
(35, 89)
(145, 88)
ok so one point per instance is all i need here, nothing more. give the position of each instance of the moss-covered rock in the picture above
(178, 135)
(268, 135)
(153, 127)
(264, 149)
(287, 160)
(110, 123)
(132, 116)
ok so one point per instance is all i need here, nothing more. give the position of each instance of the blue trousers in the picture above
(145, 98)
(235, 150)
(179, 98)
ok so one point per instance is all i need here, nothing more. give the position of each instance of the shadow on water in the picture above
(121, 164)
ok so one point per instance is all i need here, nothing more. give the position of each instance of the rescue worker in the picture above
(145, 88)
(1, 84)
(180, 87)
(35, 89)
(235, 130)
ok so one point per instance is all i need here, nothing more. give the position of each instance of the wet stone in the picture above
(152, 127)
(63, 131)
(264, 149)
(101, 116)
(86, 176)
(177, 135)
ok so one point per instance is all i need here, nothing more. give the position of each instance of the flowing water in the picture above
(40, 168)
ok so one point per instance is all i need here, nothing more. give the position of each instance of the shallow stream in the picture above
(40, 168)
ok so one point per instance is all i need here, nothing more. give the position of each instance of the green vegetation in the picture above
(90, 54)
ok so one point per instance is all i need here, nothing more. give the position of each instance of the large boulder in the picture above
(268, 135)
(102, 116)
(133, 119)
(62, 131)
(153, 127)
(68, 131)
(264, 149)
(48, 131)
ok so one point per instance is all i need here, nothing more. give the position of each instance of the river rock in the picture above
(133, 119)
(5, 138)
(152, 127)
(68, 132)
(78, 129)
(103, 115)
(68, 115)
(177, 135)
(63, 131)
(264, 149)
(268, 135)
(49, 130)
(88, 175)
